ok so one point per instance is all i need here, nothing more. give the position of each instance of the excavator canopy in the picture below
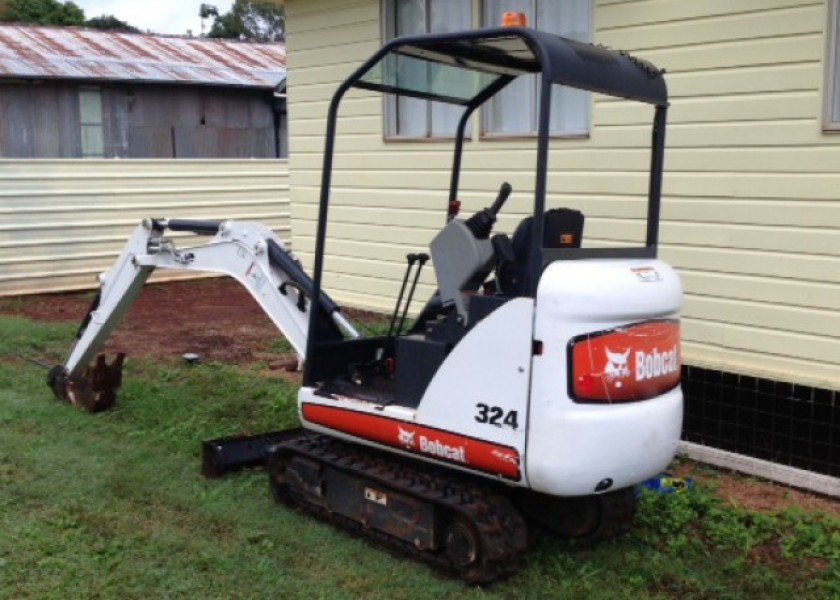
(467, 69)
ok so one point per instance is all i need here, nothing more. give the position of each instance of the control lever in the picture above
(481, 222)
(411, 258)
(504, 192)
(422, 258)
(381, 363)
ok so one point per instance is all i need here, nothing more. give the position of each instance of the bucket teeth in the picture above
(95, 390)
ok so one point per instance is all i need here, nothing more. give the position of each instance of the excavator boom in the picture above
(249, 252)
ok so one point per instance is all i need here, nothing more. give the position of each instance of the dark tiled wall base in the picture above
(790, 424)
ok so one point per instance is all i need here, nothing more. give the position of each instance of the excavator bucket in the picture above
(95, 390)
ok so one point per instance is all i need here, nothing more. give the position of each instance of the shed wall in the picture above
(750, 207)
(42, 120)
(62, 222)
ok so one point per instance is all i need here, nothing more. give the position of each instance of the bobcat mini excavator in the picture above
(541, 381)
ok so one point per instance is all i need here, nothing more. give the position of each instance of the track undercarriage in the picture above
(458, 525)
(460, 529)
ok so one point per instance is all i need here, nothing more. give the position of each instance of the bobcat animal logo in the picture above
(406, 437)
(508, 457)
(616, 368)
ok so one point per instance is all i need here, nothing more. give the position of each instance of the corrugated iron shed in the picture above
(34, 52)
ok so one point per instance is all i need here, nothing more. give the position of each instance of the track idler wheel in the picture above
(461, 544)
(95, 391)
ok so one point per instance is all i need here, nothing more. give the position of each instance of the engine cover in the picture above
(606, 406)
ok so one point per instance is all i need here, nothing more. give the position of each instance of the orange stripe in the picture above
(417, 439)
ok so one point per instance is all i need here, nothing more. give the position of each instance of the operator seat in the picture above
(562, 228)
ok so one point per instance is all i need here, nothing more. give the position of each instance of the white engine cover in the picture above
(573, 447)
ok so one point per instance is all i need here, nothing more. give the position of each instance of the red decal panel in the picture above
(626, 364)
(419, 440)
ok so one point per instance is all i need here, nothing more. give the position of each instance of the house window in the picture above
(514, 110)
(90, 119)
(413, 117)
(832, 98)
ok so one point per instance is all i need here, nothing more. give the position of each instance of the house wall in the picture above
(62, 222)
(750, 206)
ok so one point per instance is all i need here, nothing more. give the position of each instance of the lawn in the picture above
(112, 506)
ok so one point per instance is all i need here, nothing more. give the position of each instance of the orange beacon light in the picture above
(514, 19)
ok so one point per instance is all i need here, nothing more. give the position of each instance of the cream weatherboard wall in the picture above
(751, 207)
(62, 222)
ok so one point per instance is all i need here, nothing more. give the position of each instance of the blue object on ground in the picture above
(665, 483)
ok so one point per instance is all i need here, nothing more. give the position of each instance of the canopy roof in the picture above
(468, 67)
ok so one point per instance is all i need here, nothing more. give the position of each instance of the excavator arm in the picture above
(249, 252)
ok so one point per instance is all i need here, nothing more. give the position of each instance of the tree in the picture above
(43, 12)
(110, 22)
(248, 21)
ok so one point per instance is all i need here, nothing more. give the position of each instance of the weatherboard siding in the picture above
(751, 201)
(62, 222)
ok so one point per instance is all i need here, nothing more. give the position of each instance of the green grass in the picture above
(113, 506)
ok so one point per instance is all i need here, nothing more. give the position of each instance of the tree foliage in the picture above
(247, 21)
(43, 12)
(110, 22)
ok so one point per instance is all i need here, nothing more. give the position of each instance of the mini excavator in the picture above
(540, 382)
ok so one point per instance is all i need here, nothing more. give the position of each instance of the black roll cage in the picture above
(555, 60)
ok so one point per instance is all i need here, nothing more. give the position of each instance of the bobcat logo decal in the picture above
(406, 437)
(508, 457)
(616, 368)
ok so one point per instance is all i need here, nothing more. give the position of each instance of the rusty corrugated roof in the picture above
(34, 52)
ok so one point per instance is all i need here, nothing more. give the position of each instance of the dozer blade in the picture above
(226, 455)
(95, 390)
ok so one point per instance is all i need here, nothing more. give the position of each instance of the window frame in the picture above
(389, 102)
(483, 118)
(478, 11)
(84, 153)
(830, 122)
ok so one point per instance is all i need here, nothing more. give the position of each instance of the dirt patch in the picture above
(214, 318)
(218, 320)
(752, 493)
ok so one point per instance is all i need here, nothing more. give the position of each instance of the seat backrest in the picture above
(562, 228)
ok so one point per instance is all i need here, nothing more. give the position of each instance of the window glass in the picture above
(90, 118)
(409, 74)
(412, 117)
(446, 16)
(514, 110)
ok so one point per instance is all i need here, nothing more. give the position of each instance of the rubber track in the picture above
(501, 528)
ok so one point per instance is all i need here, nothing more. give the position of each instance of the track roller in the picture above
(461, 543)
